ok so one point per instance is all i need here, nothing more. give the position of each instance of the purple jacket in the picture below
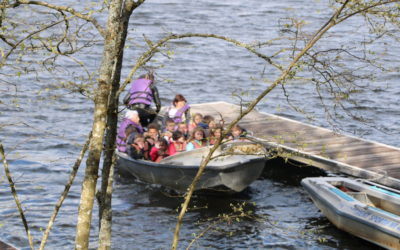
(178, 115)
(121, 144)
(140, 92)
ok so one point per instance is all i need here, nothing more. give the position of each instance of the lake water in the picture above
(43, 126)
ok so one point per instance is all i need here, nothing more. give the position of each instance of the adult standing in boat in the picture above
(179, 111)
(142, 93)
(131, 119)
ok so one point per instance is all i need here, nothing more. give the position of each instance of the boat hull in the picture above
(355, 217)
(233, 177)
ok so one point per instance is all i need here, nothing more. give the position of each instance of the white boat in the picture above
(363, 208)
(236, 167)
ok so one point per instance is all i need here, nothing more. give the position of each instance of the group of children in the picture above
(155, 143)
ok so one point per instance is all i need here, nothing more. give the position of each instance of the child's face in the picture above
(139, 142)
(170, 127)
(180, 104)
(236, 132)
(197, 119)
(153, 133)
(212, 124)
(182, 128)
(217, 133)
(198, 135)
(181, 139)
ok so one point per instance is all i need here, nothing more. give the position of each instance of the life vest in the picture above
(178, 114)
(175, 147)
(140, 92)
(197, 144)
(121, 144)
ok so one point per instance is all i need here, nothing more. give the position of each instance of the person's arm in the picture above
(166, 116)
(156, 98)
(188, 117)
(127, 98)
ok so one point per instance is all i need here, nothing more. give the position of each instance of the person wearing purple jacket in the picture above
(131, 119)
(141, 95)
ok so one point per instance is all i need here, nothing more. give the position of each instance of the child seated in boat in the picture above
(179, 111)
(137, 148)
(205, 124)
(178, 143)
(151, 136)
(237, 133)
(170, 128)
(159, 151)
(197, 118)
(197, 139)
(215, 134)
(184, 130)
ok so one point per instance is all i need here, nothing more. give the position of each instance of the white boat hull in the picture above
(374, 218)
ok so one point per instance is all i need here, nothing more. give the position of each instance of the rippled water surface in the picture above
(43, 127)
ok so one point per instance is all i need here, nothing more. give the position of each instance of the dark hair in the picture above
(153, 125)
(148, 76)
(163, 141)
(178, 98)
(129, 130)
(176, 135)
(238, 127)
(169, 120)
(208, 118)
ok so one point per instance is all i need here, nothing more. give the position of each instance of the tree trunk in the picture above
(105, 212)
(108, 66)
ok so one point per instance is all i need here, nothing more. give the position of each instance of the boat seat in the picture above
(362, 197)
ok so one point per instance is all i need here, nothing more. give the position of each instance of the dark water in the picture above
(43, 127)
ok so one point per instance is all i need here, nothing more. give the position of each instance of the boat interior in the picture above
(372, 194)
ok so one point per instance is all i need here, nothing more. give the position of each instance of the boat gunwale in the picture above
(189, 167)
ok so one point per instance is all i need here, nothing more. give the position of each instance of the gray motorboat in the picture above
(362, 208)
(233, 168)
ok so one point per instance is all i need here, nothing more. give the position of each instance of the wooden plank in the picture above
(395, 173)
(380, 155)
(384, 167)
(326, 148)
(362, 153)
(389, 170)
(259, 127)
(370, 161)
(356, 147)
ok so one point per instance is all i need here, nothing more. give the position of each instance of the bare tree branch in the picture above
(65, 192)
(154, 48)
(14, 192)
(317, 36)
(61, 8)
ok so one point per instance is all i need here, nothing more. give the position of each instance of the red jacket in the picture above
(155, 156)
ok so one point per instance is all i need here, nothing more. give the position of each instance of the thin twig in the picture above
(65, 192)
(285, 74)
(14, 193)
